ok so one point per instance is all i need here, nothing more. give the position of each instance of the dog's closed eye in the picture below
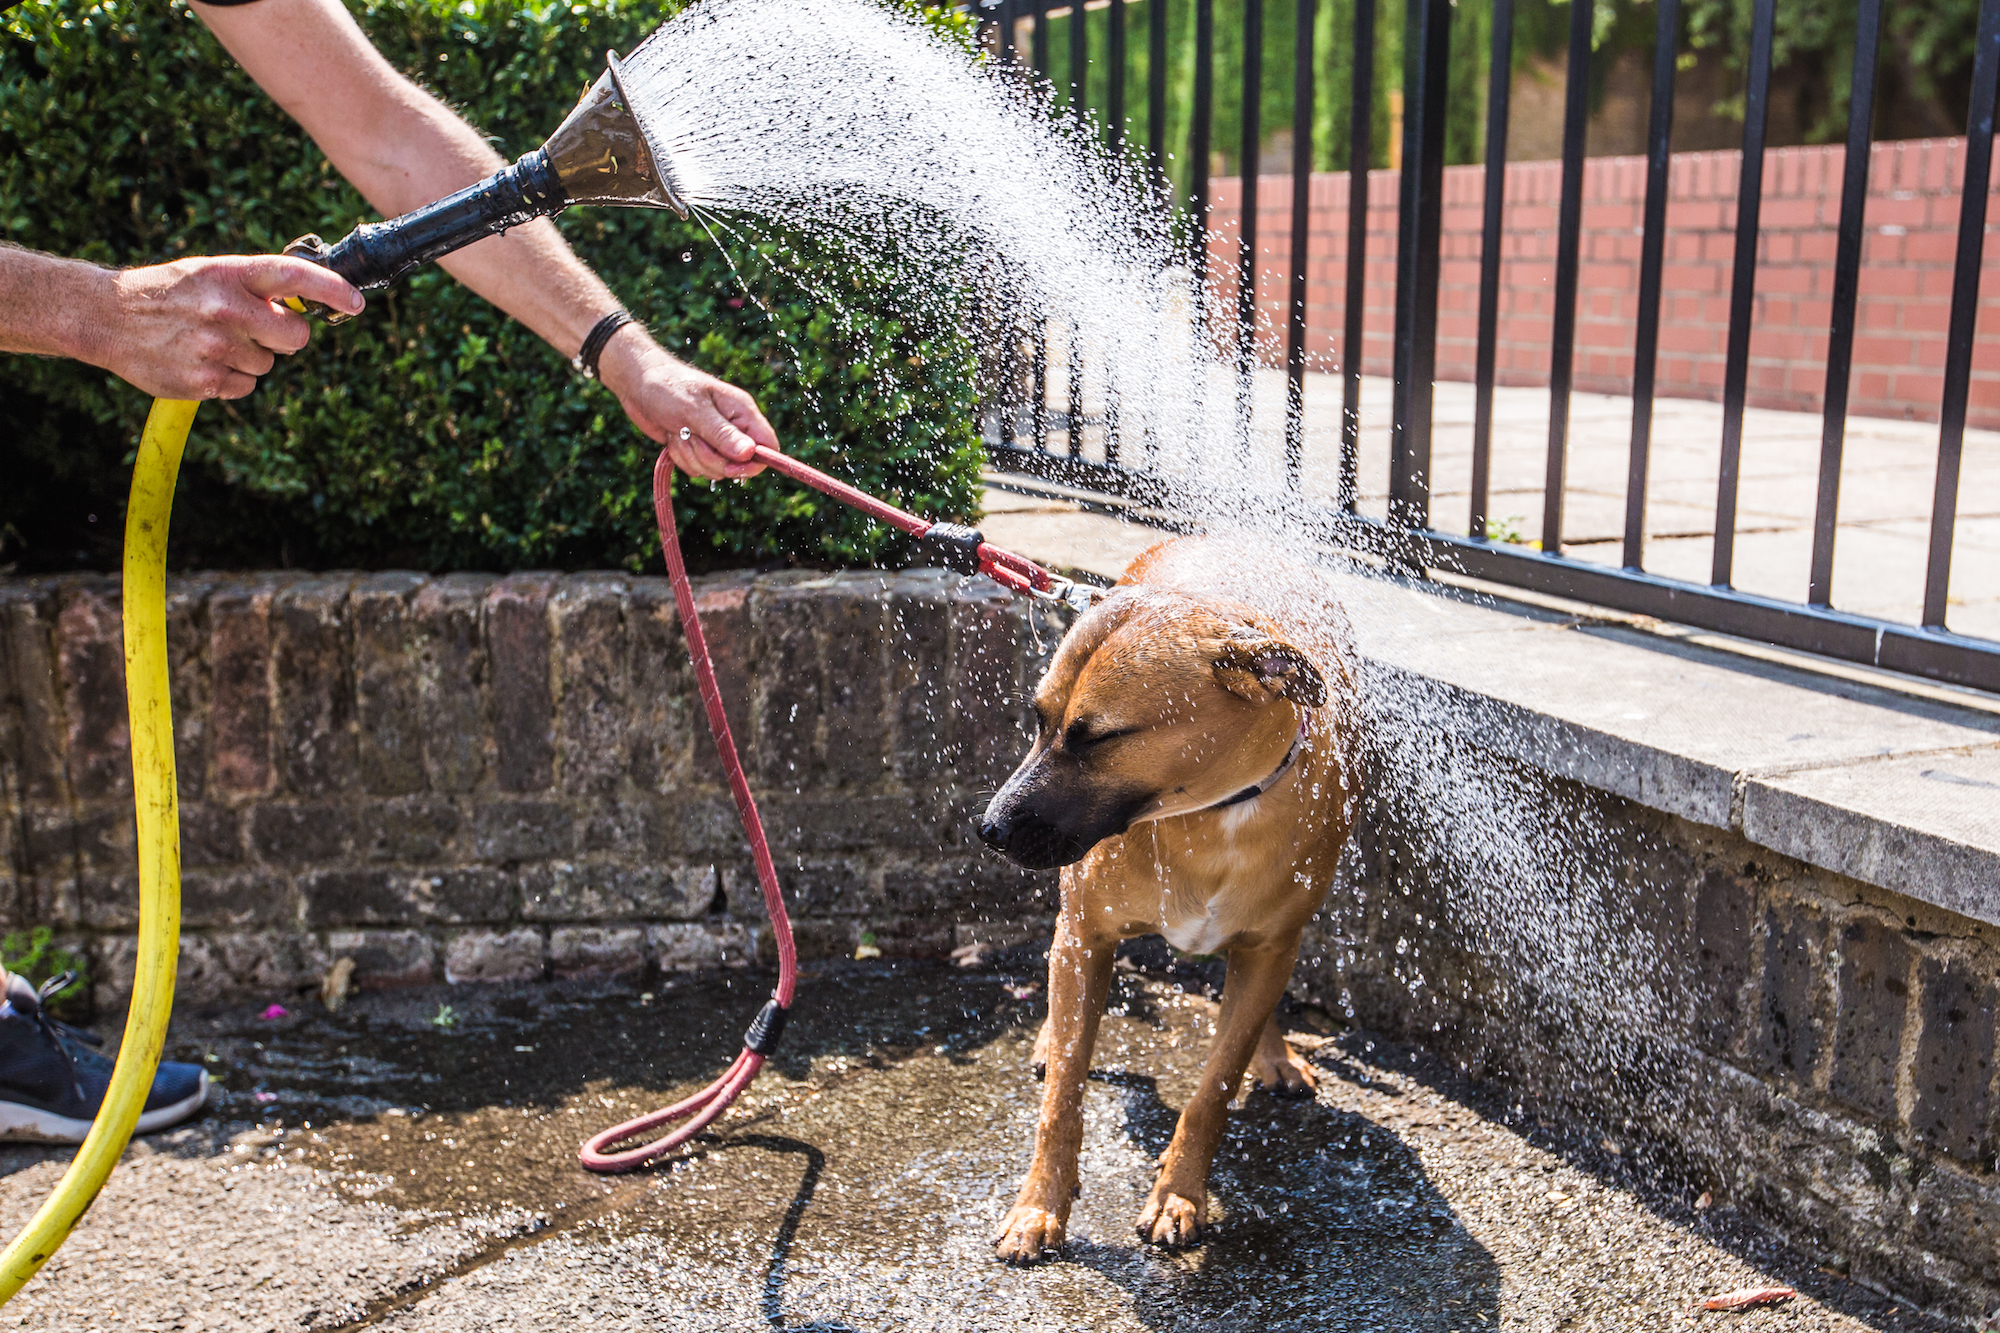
(1086, 732)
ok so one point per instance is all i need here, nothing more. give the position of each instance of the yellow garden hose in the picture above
(152, 725)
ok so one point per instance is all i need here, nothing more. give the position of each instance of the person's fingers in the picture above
(251, 359)
(720, 464)
(741, 411)
(722, 434)
(274, 277)
(699, 458)
(688, 460)
(278, 329)
(230, 384)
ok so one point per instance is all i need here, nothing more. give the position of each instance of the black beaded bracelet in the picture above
(585, 360)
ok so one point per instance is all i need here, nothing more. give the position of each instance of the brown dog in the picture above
(1191, 777)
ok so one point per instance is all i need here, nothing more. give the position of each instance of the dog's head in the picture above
(1157, 704)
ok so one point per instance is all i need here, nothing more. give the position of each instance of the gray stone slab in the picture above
(1653, 720)
(1927, 826)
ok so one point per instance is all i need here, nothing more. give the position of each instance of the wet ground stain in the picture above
(857, 1184)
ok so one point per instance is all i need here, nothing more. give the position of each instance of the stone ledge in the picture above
(1860, 779)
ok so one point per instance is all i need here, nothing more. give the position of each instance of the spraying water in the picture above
(860, 125)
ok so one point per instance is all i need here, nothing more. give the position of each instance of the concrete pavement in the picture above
(375, 1169)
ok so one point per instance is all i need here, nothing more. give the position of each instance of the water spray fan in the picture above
(602, 153)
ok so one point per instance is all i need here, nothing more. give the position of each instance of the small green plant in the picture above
(1507, 530)
(445, 1017)
(37, 957)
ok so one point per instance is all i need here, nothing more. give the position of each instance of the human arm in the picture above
(195, 328)
(402, 147)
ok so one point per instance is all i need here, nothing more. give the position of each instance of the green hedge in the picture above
(432, 432)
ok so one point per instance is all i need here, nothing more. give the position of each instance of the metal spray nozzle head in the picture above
(604, 153)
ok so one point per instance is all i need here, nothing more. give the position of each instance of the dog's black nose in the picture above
(1031, 841)
(993, 833)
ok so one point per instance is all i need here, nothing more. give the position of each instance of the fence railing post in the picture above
(1742, 289)
(1569, 241)
(1499, 84)
(1426, 59)
(1304, 23)
(1964, 310)
(1652, 256)
(1360, 152)
(1249, 151)
(1846, 287)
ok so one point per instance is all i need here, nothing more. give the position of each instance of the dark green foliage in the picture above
(37, 958)
(1927, 67)
(1926, 51)
(432, 432)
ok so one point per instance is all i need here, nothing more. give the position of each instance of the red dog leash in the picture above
(961, 548)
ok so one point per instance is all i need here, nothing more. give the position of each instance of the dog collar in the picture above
(1252, 792)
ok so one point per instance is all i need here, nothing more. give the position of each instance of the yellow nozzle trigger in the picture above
(295, 305)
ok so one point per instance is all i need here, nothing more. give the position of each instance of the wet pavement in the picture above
(409, 1164)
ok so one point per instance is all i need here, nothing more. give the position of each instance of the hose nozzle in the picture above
(602, 153)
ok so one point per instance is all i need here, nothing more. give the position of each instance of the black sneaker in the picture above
(52, 1081)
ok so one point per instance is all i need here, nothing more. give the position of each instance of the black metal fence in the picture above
(1409, 533)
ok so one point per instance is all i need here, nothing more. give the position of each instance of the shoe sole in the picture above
(20, 1123)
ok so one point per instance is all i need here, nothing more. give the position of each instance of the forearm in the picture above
(531, 273)
(49, 305)
(402, 148)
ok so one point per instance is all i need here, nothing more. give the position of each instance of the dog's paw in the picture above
(1283, 1073)
(1040, 1059)
(1028, 1235)
(1171, 1220)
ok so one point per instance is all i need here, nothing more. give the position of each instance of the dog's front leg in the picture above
(1177, 1209)
(1079, 980)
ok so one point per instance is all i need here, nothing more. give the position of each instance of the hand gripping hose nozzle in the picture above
(603, 153)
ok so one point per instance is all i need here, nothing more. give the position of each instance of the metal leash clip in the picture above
(1079, 597)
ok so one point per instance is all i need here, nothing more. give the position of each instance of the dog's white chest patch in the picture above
(1202, 934)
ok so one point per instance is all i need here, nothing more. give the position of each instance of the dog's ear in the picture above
(1255, 666)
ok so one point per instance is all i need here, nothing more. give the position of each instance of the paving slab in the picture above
(373, 1169)
(1888, 476)
(1662, 723)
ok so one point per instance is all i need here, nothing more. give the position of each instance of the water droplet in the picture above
(686, 433)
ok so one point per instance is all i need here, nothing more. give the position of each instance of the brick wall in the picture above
(1821, 1053)
(468, 778)
(1905, 290)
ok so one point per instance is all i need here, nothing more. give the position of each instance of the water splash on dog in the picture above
(861, 125)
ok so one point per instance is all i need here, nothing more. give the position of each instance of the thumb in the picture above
(276, 276)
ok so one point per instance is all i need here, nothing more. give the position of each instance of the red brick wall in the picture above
(1912, 221)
